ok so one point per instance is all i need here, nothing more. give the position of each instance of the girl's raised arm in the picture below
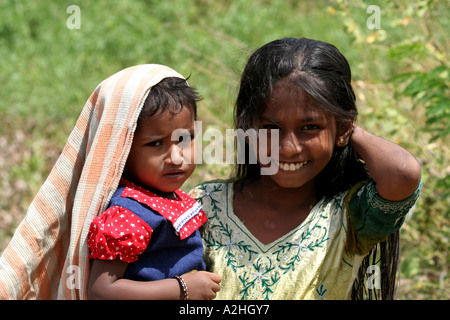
(396, 172)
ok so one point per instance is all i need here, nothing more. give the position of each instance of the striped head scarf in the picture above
(48, 257)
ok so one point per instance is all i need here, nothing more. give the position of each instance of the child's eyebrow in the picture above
(153, 137)
(164, 136)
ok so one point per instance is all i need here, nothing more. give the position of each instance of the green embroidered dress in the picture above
(312, 261)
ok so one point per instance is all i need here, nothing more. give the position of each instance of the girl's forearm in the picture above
(396, 172)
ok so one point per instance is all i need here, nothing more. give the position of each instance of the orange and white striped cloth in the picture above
(48, 256)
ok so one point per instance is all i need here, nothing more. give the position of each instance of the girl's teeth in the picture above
(291, 166)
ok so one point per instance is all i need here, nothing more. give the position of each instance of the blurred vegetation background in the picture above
(400, 75)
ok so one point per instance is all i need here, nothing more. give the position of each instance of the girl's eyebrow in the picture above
(307, 119)
(313, 119)
(263, 118)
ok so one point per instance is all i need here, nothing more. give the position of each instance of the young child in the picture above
(113, 159)
(147, 242)
(303, 232)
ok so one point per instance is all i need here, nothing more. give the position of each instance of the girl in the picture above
(111, 157)
(304, 232)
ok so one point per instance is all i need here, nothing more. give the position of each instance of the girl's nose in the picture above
(289, 144)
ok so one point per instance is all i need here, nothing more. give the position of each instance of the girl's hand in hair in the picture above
(396, 172)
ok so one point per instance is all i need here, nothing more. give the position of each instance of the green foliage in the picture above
(430, 90)
(406, 99)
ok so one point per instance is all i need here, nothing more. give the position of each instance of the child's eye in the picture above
(155, 143)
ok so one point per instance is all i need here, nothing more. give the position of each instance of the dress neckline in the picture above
(262, 246)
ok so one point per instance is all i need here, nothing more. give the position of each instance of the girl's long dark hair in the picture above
(323, 73)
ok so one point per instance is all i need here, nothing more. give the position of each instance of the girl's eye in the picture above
(310, 127)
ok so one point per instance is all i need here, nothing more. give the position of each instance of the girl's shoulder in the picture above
(205, 189)
(214, 197)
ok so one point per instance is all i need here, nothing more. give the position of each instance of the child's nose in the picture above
(290, 144)
(176, 155)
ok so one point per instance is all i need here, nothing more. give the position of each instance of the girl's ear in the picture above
(344, 134)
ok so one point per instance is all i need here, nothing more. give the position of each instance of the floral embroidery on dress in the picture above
(261, 280)
(230, 245)
(311, 261)
(298, 250)
(269, 266)
(321, 292)
(201, 192)
(386, 206)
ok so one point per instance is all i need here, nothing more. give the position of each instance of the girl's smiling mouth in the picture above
(291, 166)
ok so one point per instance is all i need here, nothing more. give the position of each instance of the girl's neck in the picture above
(289, 199)
(270, 211)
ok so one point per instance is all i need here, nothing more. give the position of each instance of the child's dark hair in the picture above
(323, 73)
(170, 94)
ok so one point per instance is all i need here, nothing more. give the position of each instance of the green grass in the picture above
(47, 72)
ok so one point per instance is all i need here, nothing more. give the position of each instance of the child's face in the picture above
(155, 161)
(307, 136)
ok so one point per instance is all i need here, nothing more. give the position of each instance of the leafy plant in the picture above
(430, 90)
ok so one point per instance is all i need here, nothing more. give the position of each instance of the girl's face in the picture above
(306, 136)
(155, 161)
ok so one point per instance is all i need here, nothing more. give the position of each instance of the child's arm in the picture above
(395, 171)
(106, 283)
